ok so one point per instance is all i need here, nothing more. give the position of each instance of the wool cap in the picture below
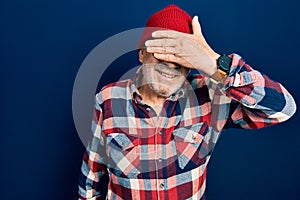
(171, 18)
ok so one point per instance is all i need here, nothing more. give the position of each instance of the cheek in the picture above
(150, 72)
(149, 75)
(185, 72)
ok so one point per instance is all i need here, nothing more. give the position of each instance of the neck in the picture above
(151, 98)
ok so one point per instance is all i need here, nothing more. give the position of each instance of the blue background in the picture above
(43, 44)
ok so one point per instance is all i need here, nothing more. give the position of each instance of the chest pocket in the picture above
(122, 153)
(189, 145)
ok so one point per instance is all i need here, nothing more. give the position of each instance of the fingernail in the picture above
(146, 43)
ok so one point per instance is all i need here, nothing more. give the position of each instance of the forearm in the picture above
(93, 178)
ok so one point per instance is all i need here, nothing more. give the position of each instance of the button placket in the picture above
(194, 137)
(162, 186)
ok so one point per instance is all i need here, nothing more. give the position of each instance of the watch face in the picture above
(224, 63)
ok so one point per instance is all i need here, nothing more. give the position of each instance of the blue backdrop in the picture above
(43, 44)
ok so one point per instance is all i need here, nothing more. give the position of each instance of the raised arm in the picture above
(258, 100)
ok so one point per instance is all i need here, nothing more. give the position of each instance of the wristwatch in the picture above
(223, 64)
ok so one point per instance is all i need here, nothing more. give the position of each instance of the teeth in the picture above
(167, 75)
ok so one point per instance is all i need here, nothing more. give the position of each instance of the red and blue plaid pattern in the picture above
(137, 154)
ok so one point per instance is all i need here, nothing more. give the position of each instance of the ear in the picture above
(141, 55)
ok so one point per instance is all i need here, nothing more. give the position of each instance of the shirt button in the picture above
(160, 133)
(160, 159)
(162, 185)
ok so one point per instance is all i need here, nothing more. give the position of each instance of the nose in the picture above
(172, 65)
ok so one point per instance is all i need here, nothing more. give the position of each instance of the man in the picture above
(154, 135)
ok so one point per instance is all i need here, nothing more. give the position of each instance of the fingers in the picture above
(163, 45)
(196, 26)
(167, 57)
(166, 34)
(162, 50)
(163, 42)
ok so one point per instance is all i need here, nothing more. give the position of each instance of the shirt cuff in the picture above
(240, 74)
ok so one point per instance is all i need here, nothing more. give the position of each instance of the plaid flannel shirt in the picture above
(138, 154)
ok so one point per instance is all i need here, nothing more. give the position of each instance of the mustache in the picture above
(164, 67)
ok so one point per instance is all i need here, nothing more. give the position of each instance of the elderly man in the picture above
(154, 135)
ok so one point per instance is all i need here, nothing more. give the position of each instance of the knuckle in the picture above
(168, 57)
(165, 41)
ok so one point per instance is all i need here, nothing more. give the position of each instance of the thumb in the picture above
(196, 26)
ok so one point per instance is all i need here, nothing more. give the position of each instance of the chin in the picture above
(163, 90)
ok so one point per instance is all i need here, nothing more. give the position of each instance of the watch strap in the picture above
(219, 75)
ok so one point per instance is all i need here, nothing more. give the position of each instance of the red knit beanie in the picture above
(171, 18)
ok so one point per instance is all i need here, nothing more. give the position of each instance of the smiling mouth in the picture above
(168, 76)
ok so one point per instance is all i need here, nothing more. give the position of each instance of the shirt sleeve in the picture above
(257, 101)
(93, 177)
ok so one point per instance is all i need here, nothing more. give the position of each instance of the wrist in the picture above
(223, 63)
(217, 76)
(214, 66)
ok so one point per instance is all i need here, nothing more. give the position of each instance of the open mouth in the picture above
(167, 75)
